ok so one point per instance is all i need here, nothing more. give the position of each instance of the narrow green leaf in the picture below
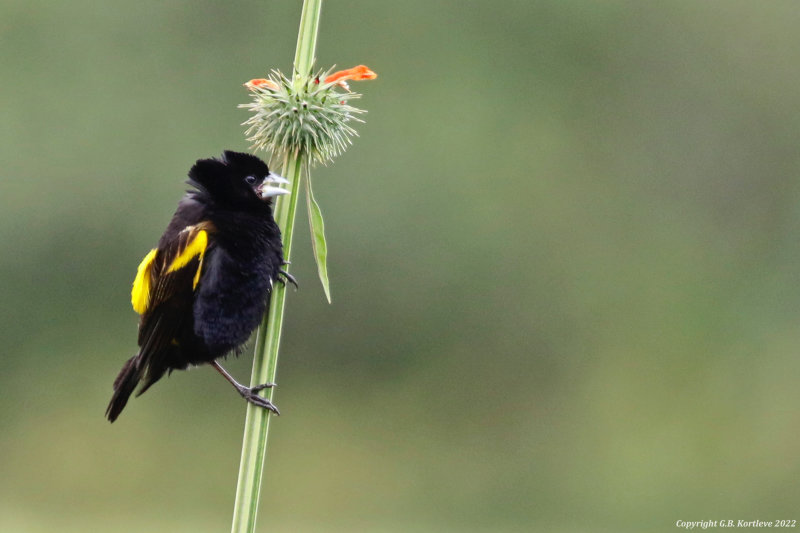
(318, 238)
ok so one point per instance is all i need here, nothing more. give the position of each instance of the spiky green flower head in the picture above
(310, 117)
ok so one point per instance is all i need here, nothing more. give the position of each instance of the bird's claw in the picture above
(251, 396)
(284, 276)
(262, 387)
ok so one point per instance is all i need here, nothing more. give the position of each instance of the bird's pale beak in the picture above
(271, 186)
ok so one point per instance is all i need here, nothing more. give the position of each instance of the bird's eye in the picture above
(250, 180)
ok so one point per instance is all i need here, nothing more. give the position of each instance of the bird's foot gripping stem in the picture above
(249, 393)
(284, 276)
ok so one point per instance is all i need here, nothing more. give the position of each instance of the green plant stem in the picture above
(265, 365)
(265, 360)
(307, 39)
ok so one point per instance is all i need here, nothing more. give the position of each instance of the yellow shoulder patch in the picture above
(140, 294)
(194, 248)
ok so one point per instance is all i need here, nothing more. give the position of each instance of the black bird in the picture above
(204, 289)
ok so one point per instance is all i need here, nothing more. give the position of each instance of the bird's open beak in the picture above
(271, 186)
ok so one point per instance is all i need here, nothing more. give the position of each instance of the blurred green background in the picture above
(564, 264)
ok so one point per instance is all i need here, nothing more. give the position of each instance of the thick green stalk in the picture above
(265, 360)
(307, 38)
(265, 364)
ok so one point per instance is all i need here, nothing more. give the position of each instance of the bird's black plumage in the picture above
(204, 289)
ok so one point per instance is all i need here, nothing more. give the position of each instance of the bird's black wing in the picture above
(163, 293)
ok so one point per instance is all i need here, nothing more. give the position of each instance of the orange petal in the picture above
(361, 72)
(259, 83)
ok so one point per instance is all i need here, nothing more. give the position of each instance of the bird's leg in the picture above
(249, 393)
(284, 276)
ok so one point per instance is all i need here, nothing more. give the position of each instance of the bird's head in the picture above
(237, 180)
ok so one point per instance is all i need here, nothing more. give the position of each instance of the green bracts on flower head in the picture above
(310, 118)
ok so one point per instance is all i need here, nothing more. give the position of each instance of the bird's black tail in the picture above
(124, 386)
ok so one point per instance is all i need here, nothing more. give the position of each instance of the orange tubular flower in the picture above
(261, 82)
(359, 73)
